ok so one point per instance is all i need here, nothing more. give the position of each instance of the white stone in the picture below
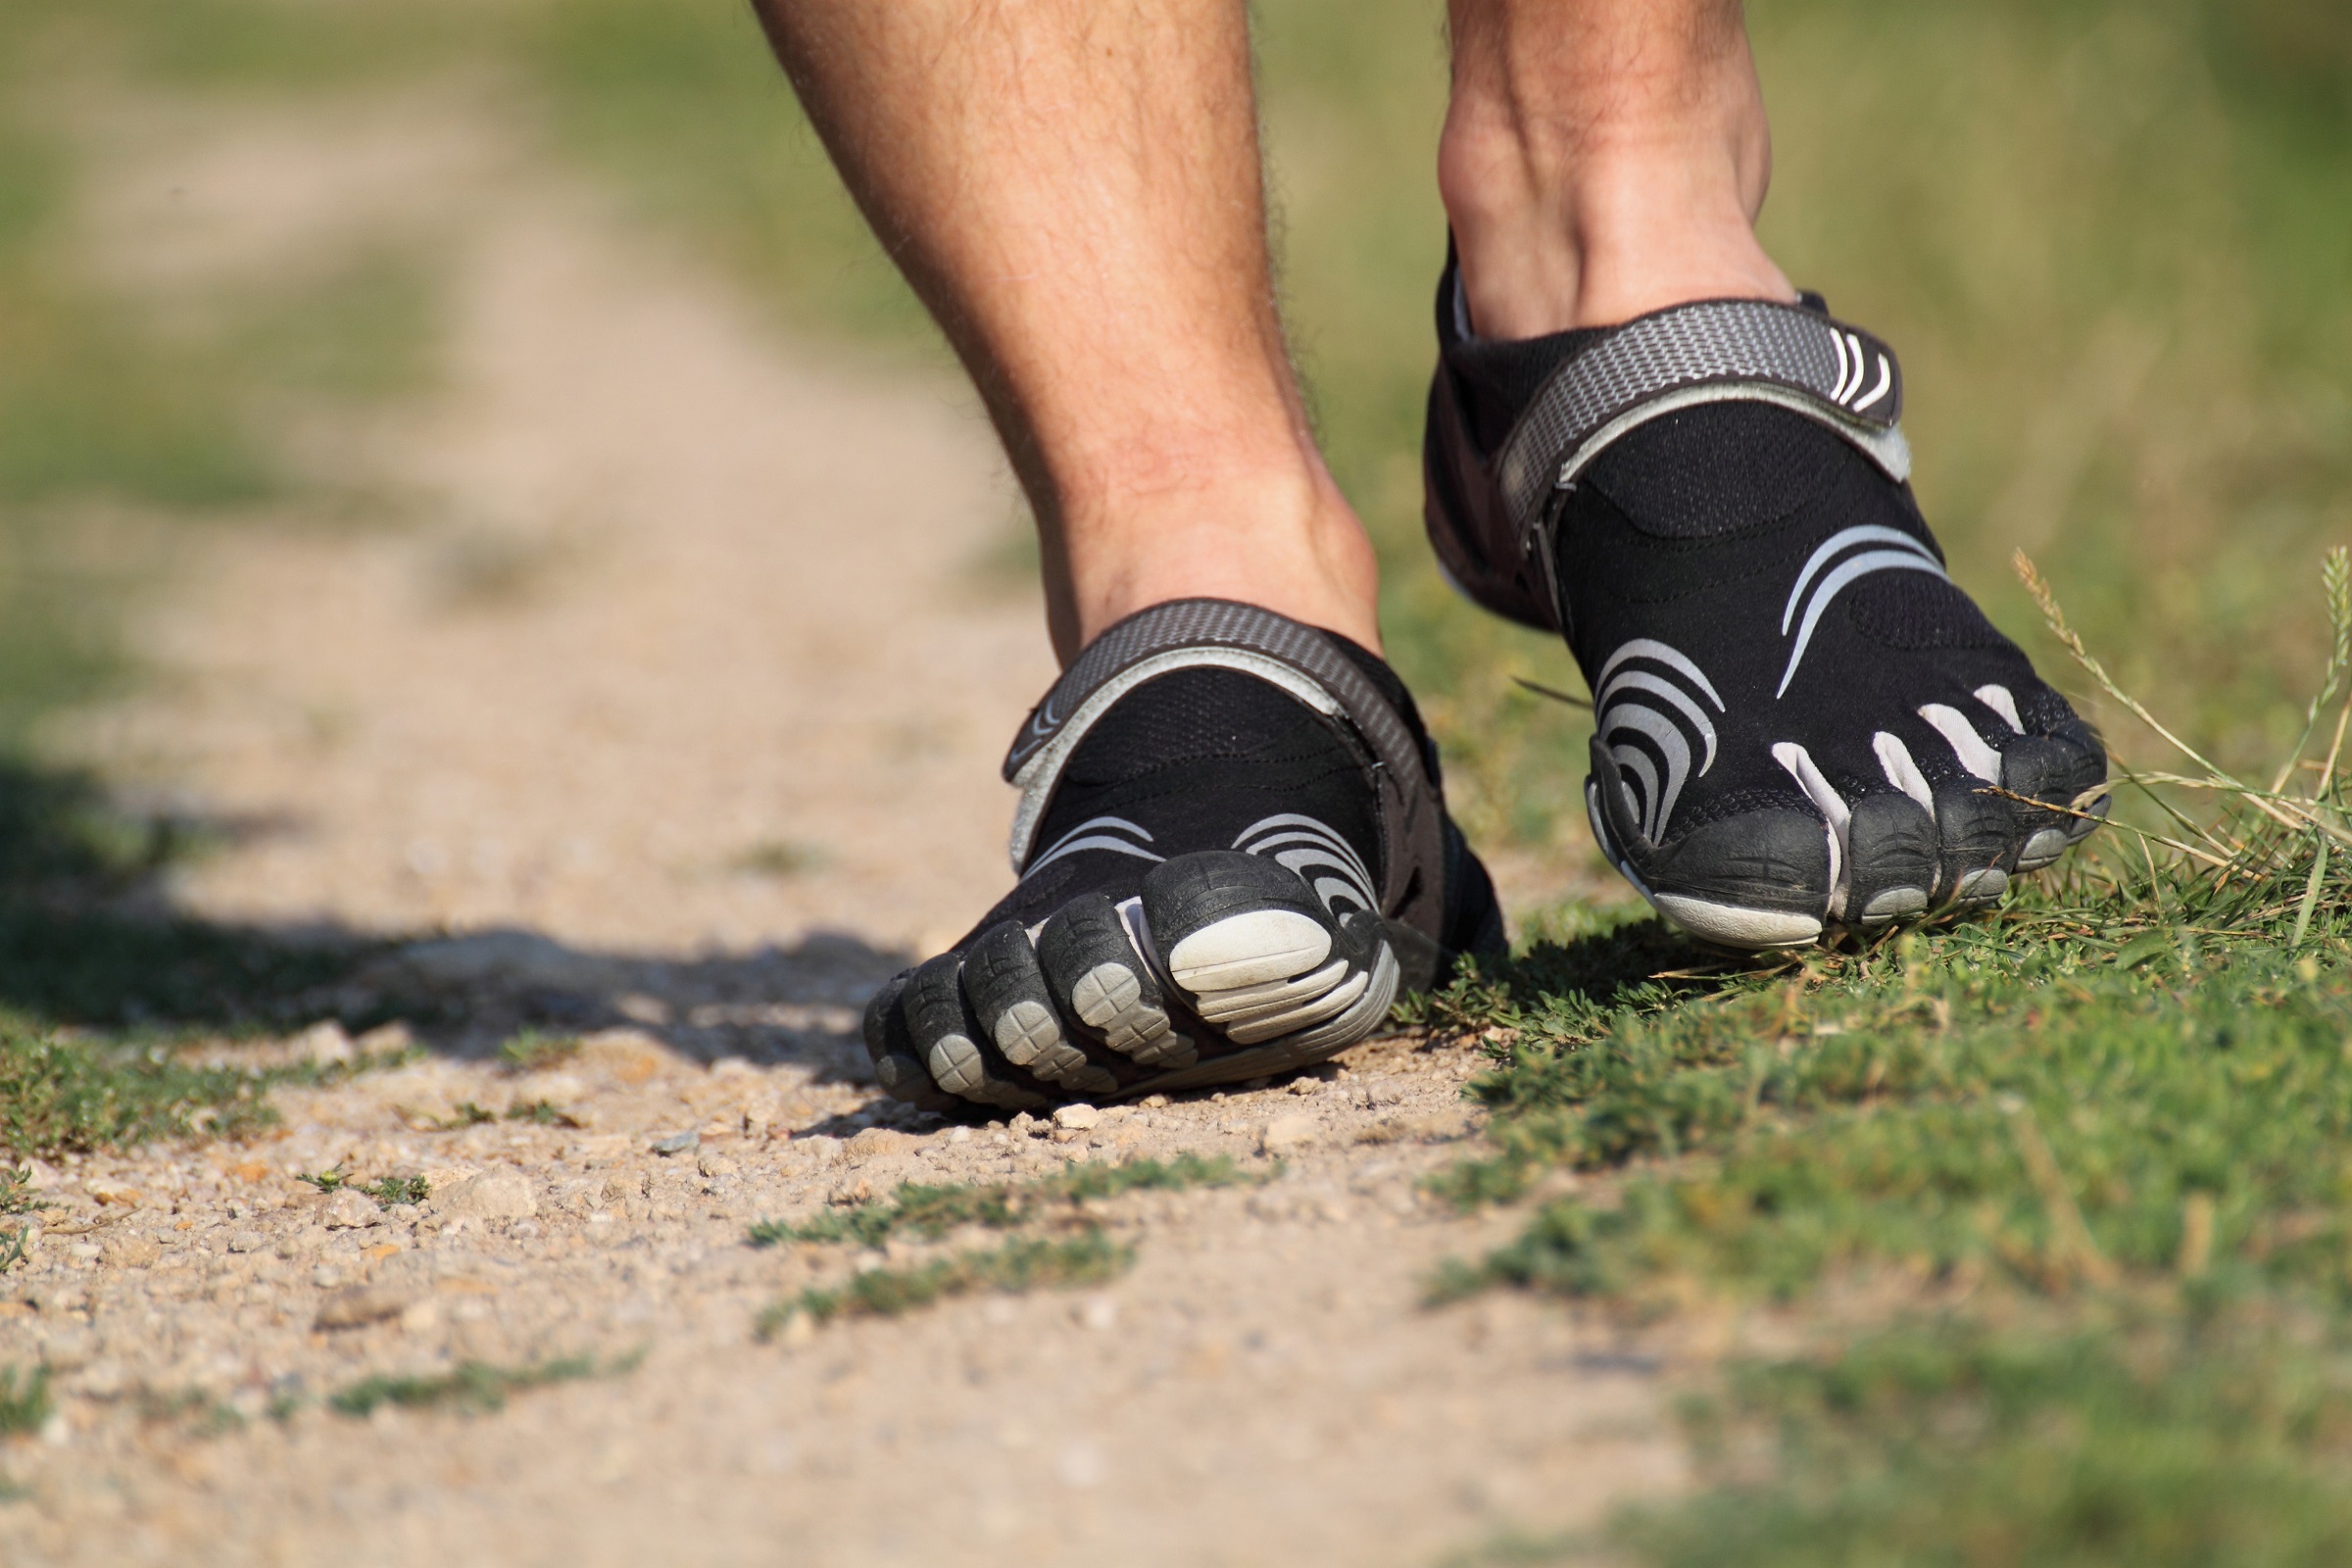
(347, 1210)
(324, 1043)
(1286, 1132)
(361, 1306)
(1076, 1118)
(493, 1195)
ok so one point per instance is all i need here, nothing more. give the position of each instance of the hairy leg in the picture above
(1073, 187)
(1602, 158)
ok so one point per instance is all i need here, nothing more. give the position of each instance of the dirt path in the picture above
(678, 708)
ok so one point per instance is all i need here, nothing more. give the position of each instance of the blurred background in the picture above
(2111, 238)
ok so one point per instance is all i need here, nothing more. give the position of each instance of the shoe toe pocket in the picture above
(1755, 879)
(1891, 848)
(898, 1061)
(1014, 1005)
(1979, 840)
(1106, 991)
(954, 1045)
(2066, 768)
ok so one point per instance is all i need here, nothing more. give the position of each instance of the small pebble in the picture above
(1076, 1117)
(361, 1306)
(347, 1211)
(493, 1195)
(1289, 1132)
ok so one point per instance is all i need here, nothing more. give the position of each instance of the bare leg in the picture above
(1602, 158)
(1073, 187)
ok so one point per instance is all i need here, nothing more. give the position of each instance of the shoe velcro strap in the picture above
(1714, 351)
(1220, 634)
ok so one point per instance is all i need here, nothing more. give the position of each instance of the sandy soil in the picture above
(673, 707)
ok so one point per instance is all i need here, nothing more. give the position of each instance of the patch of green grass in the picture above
(366, 331)
(933, 1211)
(1023, 1263)
(399, 1190)
(2091, 1158)
(25, 1401)
(60, 1095)
(536, 1050)
(473, 1385)
(72, 1095)
(192, 1411)
(777, 857)
(684, 108)
(2141, 1443)
(1913, 1117)
(247, 47)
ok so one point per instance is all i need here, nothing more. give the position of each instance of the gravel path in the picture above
(674, 713)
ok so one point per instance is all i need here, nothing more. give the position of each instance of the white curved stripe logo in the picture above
(1999, 700)
(1905, 553)
(1316, 854)
(1895, 761)
(1853, 368)
(1113, 833)
(1647, 703)
(1976, 753)
(1834, 813)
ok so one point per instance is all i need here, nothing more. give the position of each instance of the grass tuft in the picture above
(2135, 1443)
(399, 1190)
(1022, 1265)
(933, 1211)
(536, 1050)
(473, 1385)
(59, 1096)
(25, 1401)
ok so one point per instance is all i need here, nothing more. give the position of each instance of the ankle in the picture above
(1579, 202)
(1284, 540)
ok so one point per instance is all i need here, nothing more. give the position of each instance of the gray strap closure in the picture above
(1217, 634)
(1715, 351)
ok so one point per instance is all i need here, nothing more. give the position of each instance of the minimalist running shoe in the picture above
(1802, 725)
(1234, 856)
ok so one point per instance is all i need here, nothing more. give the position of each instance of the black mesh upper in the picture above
(1766, 464)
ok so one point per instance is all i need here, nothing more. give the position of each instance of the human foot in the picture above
(1800, 723)
(1234, 854)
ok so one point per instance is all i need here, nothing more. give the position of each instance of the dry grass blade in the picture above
(2066, 634)
(1552, 692)
(2055, 619)
(2335, 577)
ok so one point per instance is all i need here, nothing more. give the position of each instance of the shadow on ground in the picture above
(90, 941)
